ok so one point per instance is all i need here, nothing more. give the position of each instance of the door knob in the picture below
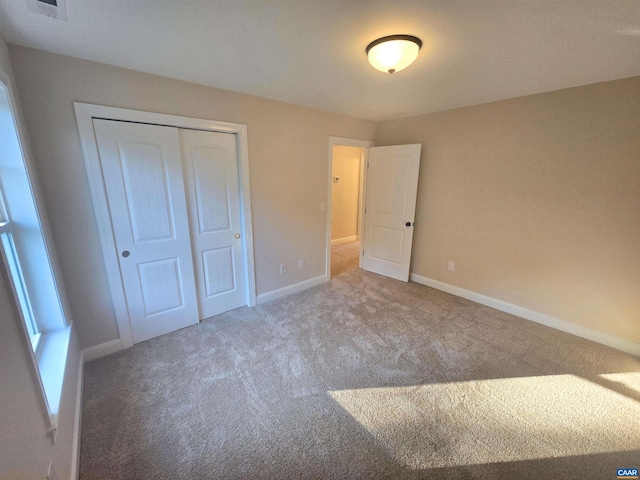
(126, 253)
(408, 224)
(237, 235)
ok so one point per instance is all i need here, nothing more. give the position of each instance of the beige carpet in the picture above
(344, 257)
(365, 377)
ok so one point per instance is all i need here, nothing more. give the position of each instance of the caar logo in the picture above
(627, 473)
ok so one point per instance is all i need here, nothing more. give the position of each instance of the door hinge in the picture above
(368, 164)
(365, 211)
(363, 253)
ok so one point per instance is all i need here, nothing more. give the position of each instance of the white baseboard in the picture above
(568, 327)
(77, 428)
(101, 350)
(296, 287)
(338, 241)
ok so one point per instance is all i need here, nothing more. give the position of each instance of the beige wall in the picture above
(345, 193)
(537, 200)
(25, 449)
(5, 61)
(287, 156)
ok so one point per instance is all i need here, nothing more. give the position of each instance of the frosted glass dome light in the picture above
(393, 53)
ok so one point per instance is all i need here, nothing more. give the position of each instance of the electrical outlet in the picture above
(51, 474)
(451, 265)
(283, 269)
(301, 264)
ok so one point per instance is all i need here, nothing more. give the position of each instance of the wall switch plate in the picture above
(301, 264)
(283, 269)
(451, 265)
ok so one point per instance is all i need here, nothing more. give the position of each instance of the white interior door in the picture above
(142, 172)
(392, 187)
(211, 171)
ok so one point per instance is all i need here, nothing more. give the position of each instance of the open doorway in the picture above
(387, 194)
(345, 202)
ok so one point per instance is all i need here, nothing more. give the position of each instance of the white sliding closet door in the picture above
(211, 171)
(142, 171)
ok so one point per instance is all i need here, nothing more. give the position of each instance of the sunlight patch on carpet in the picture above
(497, 420)
(630, 380)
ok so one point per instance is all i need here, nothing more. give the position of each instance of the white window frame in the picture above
(46, 340)
(15, 273)
(12, 263)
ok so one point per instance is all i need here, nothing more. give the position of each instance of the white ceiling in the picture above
(311, 52)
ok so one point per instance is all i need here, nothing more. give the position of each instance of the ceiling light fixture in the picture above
(393, 53)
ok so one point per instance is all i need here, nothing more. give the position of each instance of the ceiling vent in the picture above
(51, 8)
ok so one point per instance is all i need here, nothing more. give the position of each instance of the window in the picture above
(25, 254)
(15, 273)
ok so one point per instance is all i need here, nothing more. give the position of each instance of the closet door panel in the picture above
(142, 171)
(211, 171)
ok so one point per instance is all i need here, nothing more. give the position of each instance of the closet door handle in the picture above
(126, 253)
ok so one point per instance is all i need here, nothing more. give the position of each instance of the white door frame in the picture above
(361, 205)
(85, 113)
(346, 142)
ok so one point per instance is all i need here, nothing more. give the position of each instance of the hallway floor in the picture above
(344, 257)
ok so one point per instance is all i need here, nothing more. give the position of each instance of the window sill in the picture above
(51, 356)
